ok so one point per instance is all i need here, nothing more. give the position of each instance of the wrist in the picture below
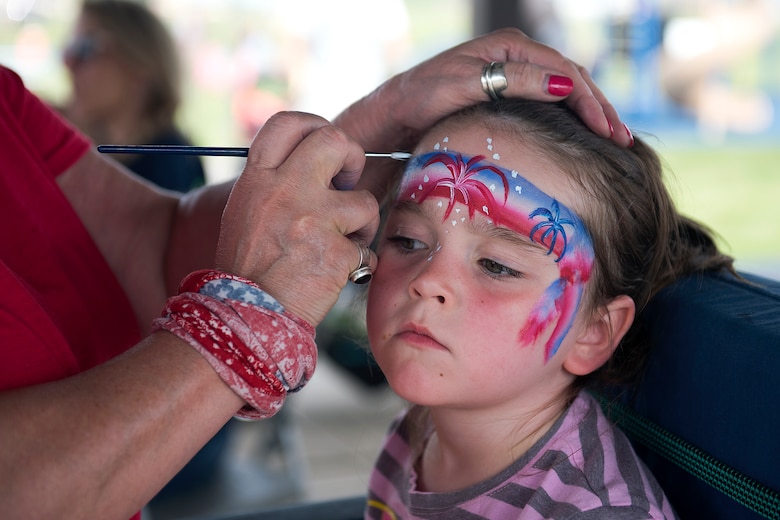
(226, 286)
(261, 351)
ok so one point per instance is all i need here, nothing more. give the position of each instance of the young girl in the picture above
(516, 253)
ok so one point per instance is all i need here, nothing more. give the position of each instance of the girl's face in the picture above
(480, 275)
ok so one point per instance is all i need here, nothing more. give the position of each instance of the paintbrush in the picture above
(210, 150)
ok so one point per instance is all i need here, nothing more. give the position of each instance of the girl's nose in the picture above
(434, 280)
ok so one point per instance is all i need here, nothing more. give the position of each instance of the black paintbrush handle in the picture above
(209, 150)
(173, 149)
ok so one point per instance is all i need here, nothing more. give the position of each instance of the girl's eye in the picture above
(406, 244)
(493, 268)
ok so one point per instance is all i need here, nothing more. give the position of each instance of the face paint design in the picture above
(511, 201)
(435, 250)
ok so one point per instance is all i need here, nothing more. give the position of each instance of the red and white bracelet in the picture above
(259, 349)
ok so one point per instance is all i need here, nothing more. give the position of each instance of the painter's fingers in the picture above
(285, 226)
(619, 131)
(413, 101)
(537, 71)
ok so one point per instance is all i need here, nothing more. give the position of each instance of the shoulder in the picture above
(27, 122)
(11, 85)
(589, 464)
(396, 457)
(390, 473)
(401, 428)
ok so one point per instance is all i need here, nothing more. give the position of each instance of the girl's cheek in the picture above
(391, 264)
(386, 276)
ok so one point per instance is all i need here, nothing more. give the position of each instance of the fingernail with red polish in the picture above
(611, 129)
(559, 85)
(630, 135)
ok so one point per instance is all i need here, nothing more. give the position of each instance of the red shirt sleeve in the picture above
(60, 145)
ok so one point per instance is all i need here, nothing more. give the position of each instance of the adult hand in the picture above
(285, 226)
(393, 116)
(453, 79)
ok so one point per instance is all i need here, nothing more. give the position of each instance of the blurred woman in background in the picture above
(125, 77)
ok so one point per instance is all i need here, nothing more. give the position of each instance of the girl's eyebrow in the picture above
(510, 236)
(408, 206)
(478, 226)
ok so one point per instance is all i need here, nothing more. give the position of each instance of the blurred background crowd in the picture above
(699, 78)
(700, 75)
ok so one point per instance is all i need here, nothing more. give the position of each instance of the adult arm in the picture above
(102, 443)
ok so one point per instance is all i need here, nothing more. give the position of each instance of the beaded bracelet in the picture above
(259, 349)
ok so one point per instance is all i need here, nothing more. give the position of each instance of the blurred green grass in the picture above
(735, 190)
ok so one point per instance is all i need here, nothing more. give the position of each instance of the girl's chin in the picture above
(418, 388)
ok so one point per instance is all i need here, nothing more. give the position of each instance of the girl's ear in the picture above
(601, 336)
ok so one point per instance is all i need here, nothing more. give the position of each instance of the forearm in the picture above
(102, 443)
(194, 233)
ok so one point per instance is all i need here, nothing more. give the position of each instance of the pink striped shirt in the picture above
(582, 468)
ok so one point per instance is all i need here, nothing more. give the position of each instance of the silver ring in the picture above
(494, 79)
(362, 274)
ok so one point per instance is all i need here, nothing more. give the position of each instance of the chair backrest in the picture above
(713, 380)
